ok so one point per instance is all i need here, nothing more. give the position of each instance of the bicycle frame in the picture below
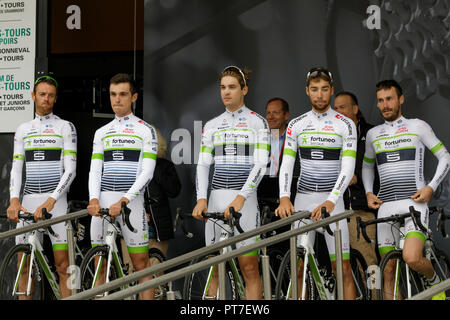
(36, 251)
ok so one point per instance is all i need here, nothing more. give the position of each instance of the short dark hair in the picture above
(48, 80)
(284, 103)
(387, 84)
(354, 101)
(124, 78)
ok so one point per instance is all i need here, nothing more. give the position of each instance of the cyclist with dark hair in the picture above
(48, 147)
(397, 147)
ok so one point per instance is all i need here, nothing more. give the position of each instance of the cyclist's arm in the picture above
(260, 160)
(348, 161)
(96, 169)
(149, 154)
(430, 140)
(287, 165)
(205, 159)
(368, 168)
(70, 160)
(15, 182)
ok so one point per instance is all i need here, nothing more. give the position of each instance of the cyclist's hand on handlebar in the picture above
(48, 205)
(316, 214)
(13, 210)
(285, 208)
(200, 207)
(372, 201)
(116, 209)
(94, 207)
(237, 204)
(423, 195)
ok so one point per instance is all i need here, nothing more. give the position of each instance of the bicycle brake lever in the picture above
(45, 216)
(236, 217)
(441, 223)
(325, 215)
(125, 211)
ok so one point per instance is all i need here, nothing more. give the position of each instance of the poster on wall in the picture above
(17, 62)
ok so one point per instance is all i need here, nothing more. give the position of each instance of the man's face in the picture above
(44, 98)
(343, 104)
(389, 104)
(121, 98)
(231, 92)
(320, 92)
(275, 116)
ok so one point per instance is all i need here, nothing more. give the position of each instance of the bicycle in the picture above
(29, 260)
(318, 282)
(407, 281)
(196, 285)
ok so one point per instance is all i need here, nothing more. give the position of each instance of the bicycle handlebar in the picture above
(27, 216)
(125, 211)
(442, 217)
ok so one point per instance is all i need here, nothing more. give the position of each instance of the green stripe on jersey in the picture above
(148, 155)
(398, 149)
(394, 137)
(43, 135)
(206, 149)
(289, 152)
(437, 147)
(349, 153)
(263, 146)
(326, 133)
(18, 157)
(70, 152)
(98, 156)
(369, 160)
(121, 135)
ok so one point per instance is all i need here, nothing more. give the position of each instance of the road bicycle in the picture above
(318, 282)
(408, 282)
(26, 271)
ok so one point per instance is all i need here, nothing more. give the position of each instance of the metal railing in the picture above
(434, 290)
(207, 263)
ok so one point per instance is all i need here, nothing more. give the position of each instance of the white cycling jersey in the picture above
(48, 146)
(398, 149)
(238, 145)
(122, 164)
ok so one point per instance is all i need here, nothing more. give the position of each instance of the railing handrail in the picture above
(44, 224)
(204, 251)
(434, 290)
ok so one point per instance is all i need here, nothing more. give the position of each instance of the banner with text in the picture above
(17, 62)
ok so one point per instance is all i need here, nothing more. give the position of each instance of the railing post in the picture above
(266, 275)
(294, 278)
(170, 293)
(339, 270)
(222, 288)
(71, 253)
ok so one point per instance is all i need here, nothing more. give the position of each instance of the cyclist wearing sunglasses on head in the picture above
(397, 147)
(48, 147)
(237, 142)
(326, 141)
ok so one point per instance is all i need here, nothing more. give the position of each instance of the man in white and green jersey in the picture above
(326, 142)
(122, 164)
(397, 147)
(48, 147)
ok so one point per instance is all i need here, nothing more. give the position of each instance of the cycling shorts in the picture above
(136, 242)
(31, 202)
(308, 202)
(218, 202)
(388, 233)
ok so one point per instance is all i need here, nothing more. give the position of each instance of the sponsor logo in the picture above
(118, 155)
(122, 141)
(320, 139)
(328, 128)
(127, 130)
(50, 141)
(241, 125)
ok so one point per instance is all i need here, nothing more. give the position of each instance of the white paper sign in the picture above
(17, 62)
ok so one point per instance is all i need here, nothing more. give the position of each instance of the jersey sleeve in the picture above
(15, 182)
(260, 159)
(368, 166)
(436, 146)
(348, 160)
(149, 155)
(69, 134)
(205, 159)
(287, 165)
(96, 169)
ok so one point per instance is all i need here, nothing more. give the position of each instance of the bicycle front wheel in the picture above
(156, 256)
(14, 275)
(394, 278)
(359, 273)
(442, 267)
(197, 286)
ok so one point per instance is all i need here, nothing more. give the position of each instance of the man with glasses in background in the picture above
(48, 146)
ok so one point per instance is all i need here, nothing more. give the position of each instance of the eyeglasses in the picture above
(236, 69)
(319, 72)
(40, 79)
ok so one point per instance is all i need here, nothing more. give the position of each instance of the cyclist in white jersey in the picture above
(48, 147)
(122, 164)
(398, 149)
(327, 142)
(237, 142)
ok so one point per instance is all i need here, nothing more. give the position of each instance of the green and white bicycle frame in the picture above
(36, 252)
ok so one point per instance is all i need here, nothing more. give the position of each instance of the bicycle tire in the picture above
(359, 272)
(194, 283)
(443, 269)
(155, 255)
(284, 278)
(8, 272)
(415, 279)
(87, 269)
